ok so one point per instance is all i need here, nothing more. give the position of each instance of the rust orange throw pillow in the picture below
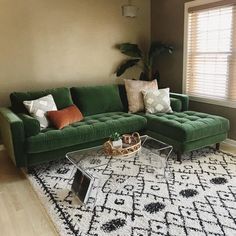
(65, 117)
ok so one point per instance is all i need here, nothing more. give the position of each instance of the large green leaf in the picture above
(124, 66)
(156, 49)
(130, 49)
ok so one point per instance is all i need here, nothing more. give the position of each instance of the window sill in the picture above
(213, 102)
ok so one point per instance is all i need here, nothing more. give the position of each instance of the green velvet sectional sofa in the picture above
(105, 111)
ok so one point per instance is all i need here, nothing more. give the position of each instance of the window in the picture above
(210, 52)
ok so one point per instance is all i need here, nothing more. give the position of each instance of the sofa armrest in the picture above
(183, 98)
(176, 104)
(31, 125)
(13, 136)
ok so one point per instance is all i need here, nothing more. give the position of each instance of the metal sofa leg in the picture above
(217, 146)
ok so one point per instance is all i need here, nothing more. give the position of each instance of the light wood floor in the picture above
(21, 212)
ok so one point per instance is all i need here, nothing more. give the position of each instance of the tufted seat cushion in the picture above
(92, 128)
(187, 126)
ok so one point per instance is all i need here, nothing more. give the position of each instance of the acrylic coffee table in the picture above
(90, 162)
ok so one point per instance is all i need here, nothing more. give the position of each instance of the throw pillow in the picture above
(38, 108)
(157, 101)
(134, 93)
(65, 117)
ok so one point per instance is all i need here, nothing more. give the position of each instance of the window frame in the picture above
(222, 102)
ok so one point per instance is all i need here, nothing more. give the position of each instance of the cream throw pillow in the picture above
(39, 107)
(157, 101)
(134, 93)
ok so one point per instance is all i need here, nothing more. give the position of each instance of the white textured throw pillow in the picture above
(157, 101)
(39, 107)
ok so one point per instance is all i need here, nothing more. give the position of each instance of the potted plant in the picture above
(116, 140)
(147, 61)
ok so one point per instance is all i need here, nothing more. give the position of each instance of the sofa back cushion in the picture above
(61, 96)
(97, 99)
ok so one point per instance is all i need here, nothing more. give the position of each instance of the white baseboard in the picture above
(230, 142)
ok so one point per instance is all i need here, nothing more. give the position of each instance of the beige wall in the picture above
(167, 24)
(50, 43)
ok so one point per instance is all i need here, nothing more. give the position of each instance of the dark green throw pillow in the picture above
(61, 97)
(97, 99)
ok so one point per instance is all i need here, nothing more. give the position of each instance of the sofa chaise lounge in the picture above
(105, 112)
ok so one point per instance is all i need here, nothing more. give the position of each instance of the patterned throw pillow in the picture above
(157, 101)
(39, 107)
(134, 93)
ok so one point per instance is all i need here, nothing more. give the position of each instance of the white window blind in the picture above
(211, 51)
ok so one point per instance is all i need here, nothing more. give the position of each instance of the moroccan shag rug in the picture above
(198, 198)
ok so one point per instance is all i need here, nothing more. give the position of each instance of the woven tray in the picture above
(131, 145)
